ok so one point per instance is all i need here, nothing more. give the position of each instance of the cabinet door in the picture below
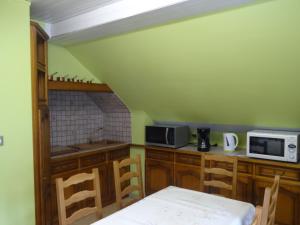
(187, 177)
(103, 176)
(244, 190)
(159, 174)
(288, 205)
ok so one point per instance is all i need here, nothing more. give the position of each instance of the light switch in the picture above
(1, 140)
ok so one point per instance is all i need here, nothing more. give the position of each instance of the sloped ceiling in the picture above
(74, 21)
(53, 11)
(236, 67)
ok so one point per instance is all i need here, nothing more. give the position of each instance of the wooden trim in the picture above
(77, 154)
(40, 30)
(76, 86)
(137, 146)
(36, 153)
(240, 158)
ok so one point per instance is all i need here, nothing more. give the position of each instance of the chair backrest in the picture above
(120, 179)
(212, 172)
(270, 203)
(63, 203)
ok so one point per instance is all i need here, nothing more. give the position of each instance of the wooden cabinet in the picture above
(187, 171)
(187, 177)
(288, 205)
(68, 165)
(244, 190)
(40, 122)
(159, 174)
(165, 166)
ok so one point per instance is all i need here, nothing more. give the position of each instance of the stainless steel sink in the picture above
(93, 145)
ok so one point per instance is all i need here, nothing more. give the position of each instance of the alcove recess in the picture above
(84, 112)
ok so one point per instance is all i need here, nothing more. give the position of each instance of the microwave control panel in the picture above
(292, 146)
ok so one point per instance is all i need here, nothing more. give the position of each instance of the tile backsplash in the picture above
(117, 127)
(78, 117)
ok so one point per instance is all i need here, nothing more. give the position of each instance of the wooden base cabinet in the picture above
(288, 205)
(40, 122)
(245, 189)
(159, 174)
(187, 177)
(166, 166)
(69, 165)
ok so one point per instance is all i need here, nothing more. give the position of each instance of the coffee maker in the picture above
(203, 139)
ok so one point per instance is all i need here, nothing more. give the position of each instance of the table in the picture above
(178, 206)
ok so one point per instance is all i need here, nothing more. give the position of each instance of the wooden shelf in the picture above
(76, 86)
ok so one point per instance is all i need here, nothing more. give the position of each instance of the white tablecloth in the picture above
(177, 206)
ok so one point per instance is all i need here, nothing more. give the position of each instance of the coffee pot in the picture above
(203, 139)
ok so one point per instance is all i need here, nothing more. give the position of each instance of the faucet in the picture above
(92, 135)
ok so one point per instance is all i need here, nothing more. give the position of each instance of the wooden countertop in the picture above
(86, 152)
(240, 153)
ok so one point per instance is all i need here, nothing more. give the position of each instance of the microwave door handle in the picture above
(167, 132)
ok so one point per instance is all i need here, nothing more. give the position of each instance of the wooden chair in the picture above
(213, 172)
(120, 179)
(77, 197)
(265, 215)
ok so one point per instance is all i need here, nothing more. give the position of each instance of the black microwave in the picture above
(166, 135)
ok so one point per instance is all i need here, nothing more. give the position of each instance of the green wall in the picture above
(62, 61)
(138, 121)
(240, 66)
(16, 156)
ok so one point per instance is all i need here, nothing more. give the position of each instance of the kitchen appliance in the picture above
(203, 139)
(275, 145)
(167, 135)
(231, 141)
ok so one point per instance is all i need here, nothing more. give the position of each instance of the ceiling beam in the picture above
(129, 15)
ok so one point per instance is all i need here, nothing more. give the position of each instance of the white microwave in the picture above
(274, 145)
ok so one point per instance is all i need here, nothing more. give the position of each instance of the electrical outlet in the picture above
(1, 140)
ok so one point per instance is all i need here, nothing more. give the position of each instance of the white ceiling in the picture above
(53, 11)
(73, 21)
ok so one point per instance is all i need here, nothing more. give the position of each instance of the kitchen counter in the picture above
(216, 150)
(240, 153)
(86, 148)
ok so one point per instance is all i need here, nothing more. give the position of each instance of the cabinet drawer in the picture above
(188, 159)
(92, 159)
(159, 155)
(244, 167)
(64, 166)
(118, 154)
(271, 171)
